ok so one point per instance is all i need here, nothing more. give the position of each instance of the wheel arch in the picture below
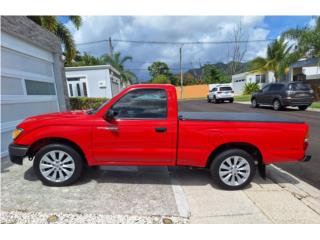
(248, 147)
(37, 145)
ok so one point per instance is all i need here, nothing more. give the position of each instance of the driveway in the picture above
(154, 195)
(307, 171)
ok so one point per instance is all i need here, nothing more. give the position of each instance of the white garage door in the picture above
(27, 85)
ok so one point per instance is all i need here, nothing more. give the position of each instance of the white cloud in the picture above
(169, 28)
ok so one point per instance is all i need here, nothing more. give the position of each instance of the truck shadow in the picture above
(156, 175)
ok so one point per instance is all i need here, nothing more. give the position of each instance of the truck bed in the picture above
(234, 117)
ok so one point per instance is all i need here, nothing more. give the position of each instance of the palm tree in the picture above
(118, 63)
(307, 39)
(52, 24)
(277, 59)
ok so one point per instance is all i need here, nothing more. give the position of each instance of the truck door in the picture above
(141, 132)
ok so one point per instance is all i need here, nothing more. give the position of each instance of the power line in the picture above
(176, 43)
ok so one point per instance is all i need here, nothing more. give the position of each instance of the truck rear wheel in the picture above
(233, 169)
(58, 165)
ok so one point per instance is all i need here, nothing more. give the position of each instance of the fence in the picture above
(193, 92)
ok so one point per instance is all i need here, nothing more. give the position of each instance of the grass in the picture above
(315, 105)
(242, 98)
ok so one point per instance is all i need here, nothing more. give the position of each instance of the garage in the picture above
(31, 74)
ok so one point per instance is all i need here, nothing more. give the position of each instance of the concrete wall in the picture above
(193, 92)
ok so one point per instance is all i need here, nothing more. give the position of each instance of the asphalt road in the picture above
(307, 171)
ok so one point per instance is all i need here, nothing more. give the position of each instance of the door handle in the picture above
(114, 129)
(161, 130)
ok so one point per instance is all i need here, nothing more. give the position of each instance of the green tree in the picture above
(278, 55)
(85, 60)
(307, 39)
(52, 24)
(118, 63)
(211, 74)
(161, 79)
(159, 68)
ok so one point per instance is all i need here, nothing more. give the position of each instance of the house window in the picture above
(258, 78)
(78, 89)
(84, 85)
(261, 78)
(39, 88)
(70, 90)
(73, 79)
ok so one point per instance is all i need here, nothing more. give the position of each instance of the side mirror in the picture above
(109, 115)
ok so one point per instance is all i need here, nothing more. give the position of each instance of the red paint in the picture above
(185, 143)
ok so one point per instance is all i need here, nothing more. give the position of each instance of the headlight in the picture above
(16, 133)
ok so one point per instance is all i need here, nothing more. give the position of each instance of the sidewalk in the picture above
(282, 198)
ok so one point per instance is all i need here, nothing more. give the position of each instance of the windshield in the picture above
(96, 109)
(299, 87)
(225, 88)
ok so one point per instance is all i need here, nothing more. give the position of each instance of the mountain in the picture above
(224, 68)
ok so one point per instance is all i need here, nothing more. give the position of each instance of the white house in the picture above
(32, 74)
(239, 80)
(307, 70)
(93, 81)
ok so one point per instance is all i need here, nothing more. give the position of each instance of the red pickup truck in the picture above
(142, 126)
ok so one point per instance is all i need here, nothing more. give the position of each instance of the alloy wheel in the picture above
(254, 103)
(57, 166)
(276, 105)
(234, 171)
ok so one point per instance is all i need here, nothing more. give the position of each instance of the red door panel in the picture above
(149, 142)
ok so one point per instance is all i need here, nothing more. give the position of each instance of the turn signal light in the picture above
(16, 133)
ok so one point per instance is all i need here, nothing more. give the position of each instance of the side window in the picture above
(276, 87)
(142, 103)
(266, 88)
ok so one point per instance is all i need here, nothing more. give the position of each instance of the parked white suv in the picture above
(221, 93)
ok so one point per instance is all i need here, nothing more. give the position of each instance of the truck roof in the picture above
(151, 85)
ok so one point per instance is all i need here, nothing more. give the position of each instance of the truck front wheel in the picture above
(233, 169)
(58, 165)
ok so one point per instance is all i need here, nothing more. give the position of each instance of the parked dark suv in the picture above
(280, 95)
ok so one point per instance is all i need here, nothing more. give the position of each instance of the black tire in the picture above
(209, 100)
(231, 100)
(254, 103)
(219, 159)
(77, 159)
(303, 108)
(276, 105)
(215, 101)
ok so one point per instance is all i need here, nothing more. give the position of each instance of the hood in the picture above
(63, 116)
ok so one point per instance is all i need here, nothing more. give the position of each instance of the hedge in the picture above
(83, 103)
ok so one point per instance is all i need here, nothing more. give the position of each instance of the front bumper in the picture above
(17, 153)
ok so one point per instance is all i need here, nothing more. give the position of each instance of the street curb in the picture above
(301, 190)
(180, 197)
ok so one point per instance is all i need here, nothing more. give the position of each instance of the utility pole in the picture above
(181, 74)
(110, 48)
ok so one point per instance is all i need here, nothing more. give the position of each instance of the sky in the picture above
(179, 29)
